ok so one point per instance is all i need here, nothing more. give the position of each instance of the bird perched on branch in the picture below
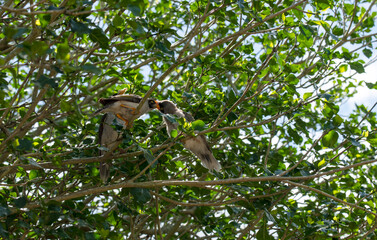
(198, 144)
(121, 108)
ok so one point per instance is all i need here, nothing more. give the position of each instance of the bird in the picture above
(107, 137)
(198, 145)
(121, 108)
(124, 106)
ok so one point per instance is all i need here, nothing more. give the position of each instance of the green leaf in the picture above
(141, 195)
(330, 139)
(164, 48)
(25, 144)
(306, 31)
(327, 111)
(232, 117)
(232, 97)
(337, 120)
(198, 125)
(355, 142)
(149, 43)
(358, 67)
(4, 211)
(174, 133)
(322, 4)
(370, 219)
(44, 19)
(348, 8)
(20, 202)
(322, 162)
(296, 137)
(98, 36)
(325, 96)
(43, 80)
(367, 52)
(371, 85)
(337, 31)
(263, 233)
(65, 106)
(343, 68)
(33, 174)
(307, 95)
(79, 28)
(372, 139)
(149, 156)
(14, 33)
(62, 52)
(135, 9)
(91, 68)
(118, 21)
(292, 79)
(39, 48)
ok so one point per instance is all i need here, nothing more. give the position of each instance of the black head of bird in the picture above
(153, 104)
(167, 107)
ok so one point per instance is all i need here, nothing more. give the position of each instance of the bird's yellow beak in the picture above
(157, 105)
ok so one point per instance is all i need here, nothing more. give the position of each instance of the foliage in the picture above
(266, 79)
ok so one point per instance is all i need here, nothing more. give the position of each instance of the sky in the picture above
(365, 96)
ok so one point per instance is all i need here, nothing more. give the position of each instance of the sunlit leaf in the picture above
(174, 133)
(198, 125)
(330, 139)
(322, 162)
(307, 95)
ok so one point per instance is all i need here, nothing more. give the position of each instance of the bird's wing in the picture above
(125, 97)
(170, 126)
(107, 135)
(188, 117)
(199, 146)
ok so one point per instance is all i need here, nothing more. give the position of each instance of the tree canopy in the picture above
(265, 81)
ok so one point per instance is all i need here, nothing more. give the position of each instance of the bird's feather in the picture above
(125, 97)
(198, 144)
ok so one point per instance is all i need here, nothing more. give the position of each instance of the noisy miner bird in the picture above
(197, 145)
(122, 108)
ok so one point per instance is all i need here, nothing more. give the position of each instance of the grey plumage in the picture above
(197, 145)
(124, 107)
(107, 137)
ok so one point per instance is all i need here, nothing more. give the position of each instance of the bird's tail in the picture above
(210, 162)
(104, 171)
(98, 111)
